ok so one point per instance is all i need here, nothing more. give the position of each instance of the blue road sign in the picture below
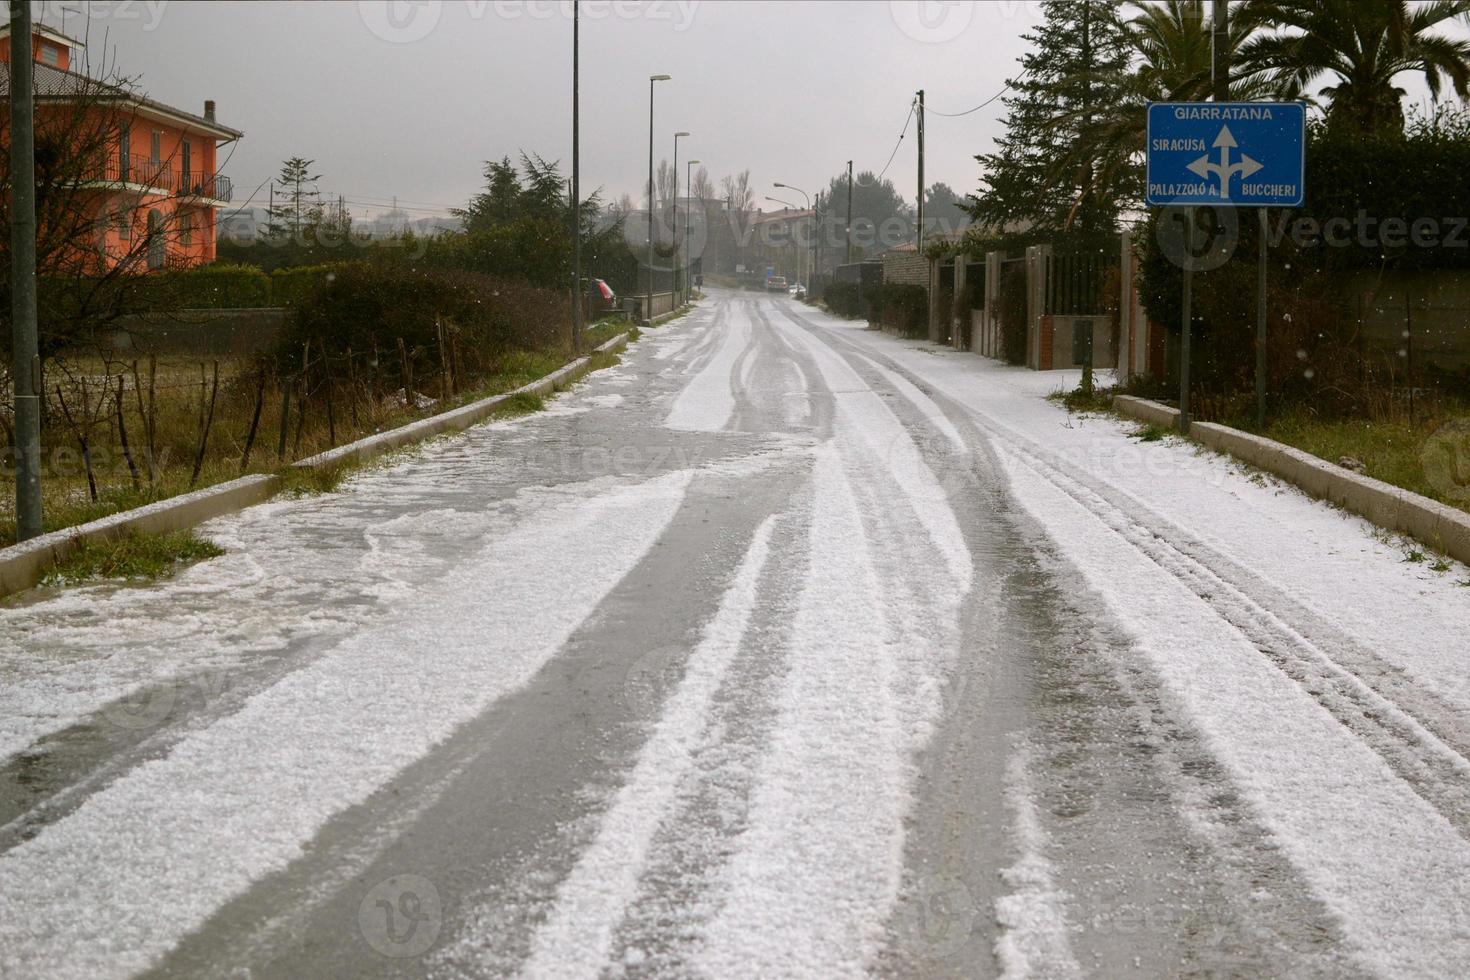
(1226, 154)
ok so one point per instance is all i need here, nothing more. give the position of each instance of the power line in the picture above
(987, 102)
(900, 140)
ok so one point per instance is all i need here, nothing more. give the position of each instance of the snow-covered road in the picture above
(785, 648)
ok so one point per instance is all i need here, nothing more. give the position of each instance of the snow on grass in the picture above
(591, 902)
(240, 799)
(1033, 917)
(708, 401)
(820, 862)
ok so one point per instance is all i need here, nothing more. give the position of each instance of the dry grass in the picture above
(181, 405)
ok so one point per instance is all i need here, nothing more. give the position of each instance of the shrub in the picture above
(216, 287)
(844, 299)
(1010, 308)
(533, 249)
(902, 306)
(289, 286)
(371, 306)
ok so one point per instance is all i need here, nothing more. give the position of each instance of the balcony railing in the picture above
(213, 187)
(160, 176)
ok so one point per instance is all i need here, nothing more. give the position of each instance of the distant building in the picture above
(152, 184)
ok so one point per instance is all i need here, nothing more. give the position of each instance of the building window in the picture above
(123, 222)
(51, 55)
(125, 152)
(157, 251)
(186, 159)
(155, 148)
(186, 227)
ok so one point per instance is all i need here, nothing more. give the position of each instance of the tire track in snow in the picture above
(1033, 914)
(818, 865)
(592, 900)
(1428, 766)
(1419, 734)
(251, 791)
(708, 400)
(863, 419)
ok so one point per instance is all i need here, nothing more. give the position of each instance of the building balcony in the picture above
(160, 178)
(206, 186)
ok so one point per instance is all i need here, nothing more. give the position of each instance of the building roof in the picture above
(53, 84)
(46, 32)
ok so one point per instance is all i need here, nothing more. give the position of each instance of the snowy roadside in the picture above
(1338, 565)
(1324, 671)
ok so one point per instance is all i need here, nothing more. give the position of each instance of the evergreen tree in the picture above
(1077, 67)
(298, 208)
(881, 219)
(498, 202)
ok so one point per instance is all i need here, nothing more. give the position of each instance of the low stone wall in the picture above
(1443, 528)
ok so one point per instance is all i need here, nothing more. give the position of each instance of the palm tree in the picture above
(1171, 42)
(1364, 45)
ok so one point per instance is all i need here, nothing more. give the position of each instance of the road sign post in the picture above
(1225, 155)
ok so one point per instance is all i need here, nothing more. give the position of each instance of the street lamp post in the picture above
(673, 225)
(688, 183)
(648, 309)
(807, 197)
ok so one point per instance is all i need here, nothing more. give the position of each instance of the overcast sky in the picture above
(409, 98)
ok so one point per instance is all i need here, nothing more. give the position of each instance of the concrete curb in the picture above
(1435, 524)
(454, 420)
(23, 565)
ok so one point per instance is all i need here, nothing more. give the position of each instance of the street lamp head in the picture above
(677, 135)
(778, 185)
(659, 78)
(693, 162)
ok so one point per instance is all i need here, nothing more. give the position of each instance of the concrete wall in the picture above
(1432, 308)
(1060, 347)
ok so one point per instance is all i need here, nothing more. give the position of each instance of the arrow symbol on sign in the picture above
(1224, 170)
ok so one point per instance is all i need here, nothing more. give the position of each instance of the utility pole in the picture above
(577, 297)
(849, 212)
(26, 364)
(919, 231)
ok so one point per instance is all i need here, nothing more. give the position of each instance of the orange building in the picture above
(140, 176)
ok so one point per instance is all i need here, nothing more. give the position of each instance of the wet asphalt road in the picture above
(846, 712)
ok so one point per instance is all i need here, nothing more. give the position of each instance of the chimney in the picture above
(209, 109)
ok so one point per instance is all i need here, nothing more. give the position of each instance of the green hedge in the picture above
(902, 306)
(372, 306)
(221, 286)
(844, 299)
(290, 286)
